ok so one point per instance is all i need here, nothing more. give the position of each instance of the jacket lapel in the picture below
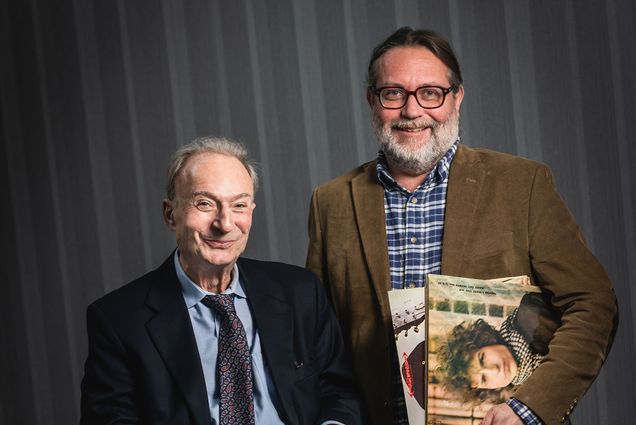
(465, 183)
(171, 331)
(368, 203)
(273, 318)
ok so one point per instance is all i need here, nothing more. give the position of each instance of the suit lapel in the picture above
(171, 331)
(465, 183)
(273, 318)
(368, 203)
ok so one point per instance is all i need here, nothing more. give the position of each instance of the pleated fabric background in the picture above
(96, 95)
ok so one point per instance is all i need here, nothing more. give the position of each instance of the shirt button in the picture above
(412, 285)
(413, 200)
(413, 239)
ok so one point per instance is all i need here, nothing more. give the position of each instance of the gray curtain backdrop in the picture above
(96, 95)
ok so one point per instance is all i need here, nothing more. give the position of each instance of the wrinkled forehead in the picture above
(416, 63)
(214, 172)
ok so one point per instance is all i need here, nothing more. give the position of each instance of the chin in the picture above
(222, 260)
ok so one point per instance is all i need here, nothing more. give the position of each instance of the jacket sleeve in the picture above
(107, 387)
(579, 288)
(537, 322)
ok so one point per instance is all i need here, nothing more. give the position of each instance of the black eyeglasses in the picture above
(428, 97)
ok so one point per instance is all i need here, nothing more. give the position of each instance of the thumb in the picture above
(488, 418)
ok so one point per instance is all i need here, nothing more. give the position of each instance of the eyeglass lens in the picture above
(427, 97)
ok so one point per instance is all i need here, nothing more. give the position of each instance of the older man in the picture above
(208, 338)
(429, 204)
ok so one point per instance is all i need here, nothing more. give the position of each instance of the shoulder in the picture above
(133, 295)
(495, 160)
(274, 270)
(337, 194)
(279, 279)
(131, 292)
(500, 169)
(336, 185)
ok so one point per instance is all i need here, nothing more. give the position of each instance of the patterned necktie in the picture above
(234, 364)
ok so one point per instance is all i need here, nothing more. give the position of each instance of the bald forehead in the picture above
(418, 64)
(211, 167)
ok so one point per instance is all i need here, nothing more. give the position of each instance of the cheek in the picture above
(244, 224)
(193, 225)
(435, 115)
(383, 116)
(441, 114)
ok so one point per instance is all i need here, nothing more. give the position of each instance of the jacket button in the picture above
(386, 403)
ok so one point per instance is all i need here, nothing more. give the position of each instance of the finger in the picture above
(487, 419)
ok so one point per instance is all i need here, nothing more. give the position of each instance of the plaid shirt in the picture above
(414, 229)
(415, 223)
(527, 416)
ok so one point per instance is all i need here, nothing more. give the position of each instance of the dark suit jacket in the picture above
(503, 218)
(143, 365)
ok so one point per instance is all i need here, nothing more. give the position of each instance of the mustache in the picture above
(418, 123)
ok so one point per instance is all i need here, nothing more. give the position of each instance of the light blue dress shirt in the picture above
(205, 323)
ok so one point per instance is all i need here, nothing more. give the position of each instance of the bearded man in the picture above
(429, 204)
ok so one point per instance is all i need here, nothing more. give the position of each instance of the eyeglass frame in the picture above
(376, 90)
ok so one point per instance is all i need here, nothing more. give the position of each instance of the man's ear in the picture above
(459, 96)
(370, 97)
(168, 213)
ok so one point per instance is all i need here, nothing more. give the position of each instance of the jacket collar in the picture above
(273, 317)
(467, 175)
(368, 205)
(171, 331)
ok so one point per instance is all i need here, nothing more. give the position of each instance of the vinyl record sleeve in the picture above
(466, 344)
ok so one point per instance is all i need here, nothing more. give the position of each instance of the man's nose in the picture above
(411, 108)
(223, 220)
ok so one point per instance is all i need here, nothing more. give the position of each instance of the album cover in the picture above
(465, 345)
(408, 312)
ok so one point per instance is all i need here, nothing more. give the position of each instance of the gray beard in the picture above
(423, 159)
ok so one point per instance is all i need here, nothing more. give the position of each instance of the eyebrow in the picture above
(427, 84)
(211, 195)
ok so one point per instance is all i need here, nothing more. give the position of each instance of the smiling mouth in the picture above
(411, 130)
(219, 244)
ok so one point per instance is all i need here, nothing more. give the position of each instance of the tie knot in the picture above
(223, 303)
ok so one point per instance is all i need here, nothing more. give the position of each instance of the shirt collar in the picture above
(438, 174)
(193, 293)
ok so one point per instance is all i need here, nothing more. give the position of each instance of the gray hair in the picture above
(430, 40)
(209, 144)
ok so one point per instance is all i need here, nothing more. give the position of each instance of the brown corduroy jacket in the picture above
(503, 218)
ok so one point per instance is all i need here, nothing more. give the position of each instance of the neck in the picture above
(210, 279)
(215, 284)
(408, 181)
